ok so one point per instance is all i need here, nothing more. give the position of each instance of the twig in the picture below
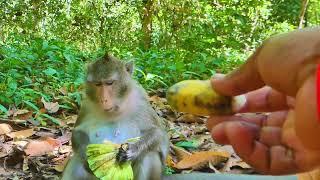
(303, 12)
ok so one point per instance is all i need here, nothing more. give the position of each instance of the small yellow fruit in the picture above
(197, 97)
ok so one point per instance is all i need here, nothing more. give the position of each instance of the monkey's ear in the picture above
(88, 71)
(88, 66)
(129, 67)
(107, 56)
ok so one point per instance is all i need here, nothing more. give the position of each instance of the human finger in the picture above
(272, 119)
(244, 79)
(265, 99)
(244, 137)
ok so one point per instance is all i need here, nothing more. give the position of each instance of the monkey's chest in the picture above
(115, 132)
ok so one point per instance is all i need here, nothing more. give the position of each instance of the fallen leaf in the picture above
(53, 142)
(63, 90)
(242, 164)
(65, 149)
(170, 162)
(198, 159)
(60, 167)
(50, 106)
(187, 144)
(5, 149)
(211, 166)
(71, 119)
(180, 152)
(25, 166)
(66, 137)
(155, 99)
(24, 116)
(20, 144)
(5, 128)
(41, 147)
(190, 118)
(21, 134)
(15, 112)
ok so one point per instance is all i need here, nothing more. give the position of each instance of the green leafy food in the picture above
(102, 161)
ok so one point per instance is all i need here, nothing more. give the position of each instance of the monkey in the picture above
(115, 108)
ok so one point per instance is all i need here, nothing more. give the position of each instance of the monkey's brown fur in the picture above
(116, 108)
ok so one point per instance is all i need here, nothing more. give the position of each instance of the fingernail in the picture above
(218, 76)
(238, 103)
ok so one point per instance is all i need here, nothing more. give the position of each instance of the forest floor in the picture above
(30, 151)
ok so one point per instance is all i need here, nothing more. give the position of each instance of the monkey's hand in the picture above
(127, 152)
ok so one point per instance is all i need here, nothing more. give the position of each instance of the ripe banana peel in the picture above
(198, 97)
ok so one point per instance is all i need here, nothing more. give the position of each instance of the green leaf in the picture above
(169, 170)
(68, 57)
(3, 109)
(31, 105)
(65, 107)
(12, 85)
(186, 144)
(54, 120)
(50, 72)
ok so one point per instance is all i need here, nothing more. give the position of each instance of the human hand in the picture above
(279, 78)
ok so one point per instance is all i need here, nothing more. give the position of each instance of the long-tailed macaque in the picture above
(115, 108)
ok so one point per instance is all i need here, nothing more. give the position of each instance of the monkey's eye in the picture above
(109, 83)
(98, 84)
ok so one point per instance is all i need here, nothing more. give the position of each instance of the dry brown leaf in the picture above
(65, 138)
(180, 152)
(170, 162)
(190, 118)
(5, 128)
(155, 98)
(198, 159)
(41, 147)
(25, 166)
(15, 112)
(5, 149)
(60, 167)
(71, 119)
(24, 116)
(211, 166)
(53, 142)
(65, 149)
(50, 106)
(21, 134)
(314, 175)
(20, 144)
(63, 90)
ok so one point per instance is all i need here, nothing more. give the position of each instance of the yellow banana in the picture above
(197, 97)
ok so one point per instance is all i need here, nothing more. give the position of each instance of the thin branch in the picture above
(303, 12)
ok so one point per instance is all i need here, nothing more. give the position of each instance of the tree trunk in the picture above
(304, 7)
(146, 19)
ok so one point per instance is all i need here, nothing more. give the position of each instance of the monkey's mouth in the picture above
(108, 109)
(111, 109)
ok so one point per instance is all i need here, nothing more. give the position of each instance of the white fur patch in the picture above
(89, 78)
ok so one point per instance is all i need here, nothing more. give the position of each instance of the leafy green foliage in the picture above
(35, 69)
(44, 44)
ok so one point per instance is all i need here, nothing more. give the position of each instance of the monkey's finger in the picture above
(265, 99)
(242, 80)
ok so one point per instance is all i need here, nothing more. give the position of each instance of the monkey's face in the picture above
(109, 83)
